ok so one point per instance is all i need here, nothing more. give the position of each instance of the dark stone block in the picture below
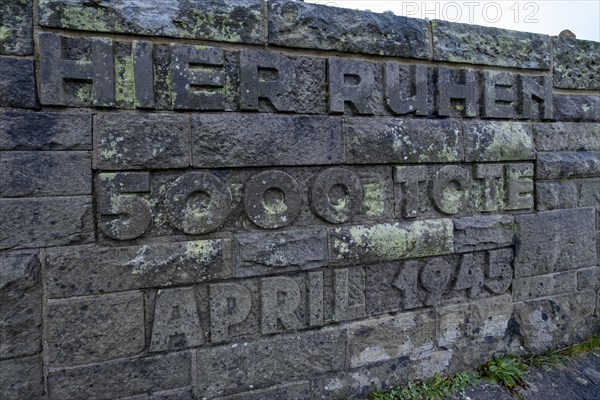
(568, 164)
(16, 27)
(298, 24)
(578, 108)
(28, 130)
(576, 63)
(22, 378)
(17, 83)
(473, 44)
(57, 221)
(498, 141)
(21, 299)
(567, 136)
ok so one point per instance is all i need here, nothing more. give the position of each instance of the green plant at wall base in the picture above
(552, 357)
(434, 388)
(507, 371)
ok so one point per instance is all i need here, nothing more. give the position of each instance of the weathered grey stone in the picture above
(297, 24)
(544, 285)
(387, 338)
(28, 130)
(353, 86)
(21, 378)
(239, 21)
(222, 140)
(498, 141)
(554, 241)
(16, 27)
(45, 174)
(17, 83)
(265, 253)
(389, 242)
(500, 94)
(457, 92)
(520, 186)
(21, 299)
(567, 136)
(280, 298)
(588, 278)
(176, 321)
(488, 318)
(576, 63)
(556, 321)
(578, 108)
(390, 140)
(138, 141)
(300, 390)
(177, 394)
(551, 195)
(482, 233)
(95, 269)
(473, 44)
(407, 88)
(235, 309)
(589, 192)
(337, 195)
(358, 383)
(45, 222)
(229, 369)
(95, 329)
(568, 164)
(121, 378)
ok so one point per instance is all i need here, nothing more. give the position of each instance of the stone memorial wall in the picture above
(248, 200)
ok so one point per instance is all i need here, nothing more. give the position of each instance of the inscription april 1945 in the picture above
(197, 80)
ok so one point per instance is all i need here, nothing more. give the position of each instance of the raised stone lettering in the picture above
(337, 195)
(499, 94)
(198, 202)
(315, 298)
(520, 186)
(198, 77)
(123, 215)
(272, 199)
(176, 320)
(465, 91)
(407, 281)
(350, 82)
(450, 189)
(265, 75)
(491, 176)
(434, 278)
(399, 76)
(280, 298)
(348, 291)
(538, 95)
(410, 178)
(143, 72)
(470, 276)
(54, 70)
(230, 304)
(498, 270)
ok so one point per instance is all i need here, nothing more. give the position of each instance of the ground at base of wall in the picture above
(578, 379)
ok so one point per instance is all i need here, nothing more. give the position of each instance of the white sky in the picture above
(582, 17)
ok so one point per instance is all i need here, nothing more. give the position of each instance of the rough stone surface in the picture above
(27, 130)
(551, 195)
(121, 378)
(576, 63)
(568, 164)
(388, 338)
(227, 369)
(577, 108)
(135, 267)
(588, 278)
(389, 140)
(589, 192)
(250, 140)
(388, 242)
(472, 44)
(16, 28)
(239, 21)
(299, 390)
(554, 241)
(482, 233)
(567, 136)
(136, 141)
(21, 299)
(95, 329)
(57, 221)
(21, 378)
(498, 141)
(264, 253)
(556, 321)
(297, 24)
(17, 83)
(45, 174)
(488, 318)
(177, 394)
(544, 285)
